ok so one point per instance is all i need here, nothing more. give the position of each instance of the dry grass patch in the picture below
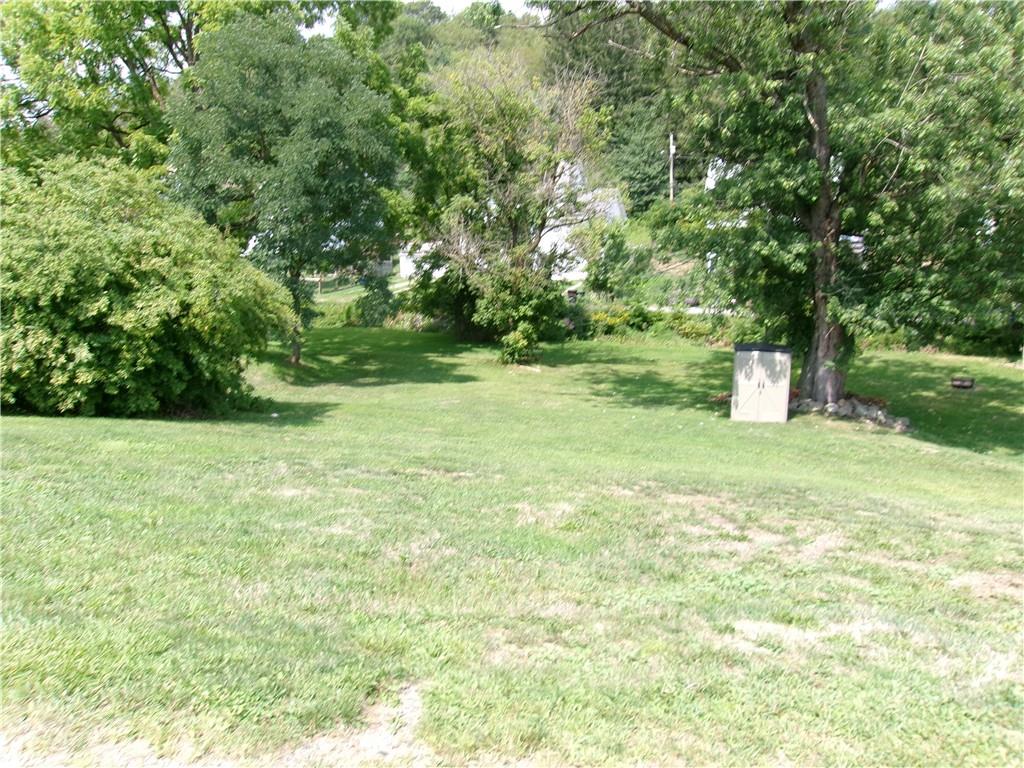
(419, 553)
(991, 585)
(504, 651)
(821, 546)
(293, 493)
(792, 637)
(547, 515)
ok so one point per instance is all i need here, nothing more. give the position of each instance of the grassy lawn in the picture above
(582, 561)
(349, 293)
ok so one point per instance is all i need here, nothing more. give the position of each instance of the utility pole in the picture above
(671, 168)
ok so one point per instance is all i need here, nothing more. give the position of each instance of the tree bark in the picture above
(821, 378)
(296, 337)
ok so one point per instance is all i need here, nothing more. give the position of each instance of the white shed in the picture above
(760, 382)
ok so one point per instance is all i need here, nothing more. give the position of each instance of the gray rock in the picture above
(832, 409)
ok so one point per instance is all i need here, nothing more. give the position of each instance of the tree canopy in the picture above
(842, 168)
(290, 146)
(865, 164)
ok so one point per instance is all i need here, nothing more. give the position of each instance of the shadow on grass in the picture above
(586, 353)
(987, 418)
(281, 413)
(371, 357)
(693, 388)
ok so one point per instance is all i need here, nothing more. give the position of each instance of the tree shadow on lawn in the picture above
(280, 413)
(372, 357)
(694, 388)
(987, 418)
(556, 355)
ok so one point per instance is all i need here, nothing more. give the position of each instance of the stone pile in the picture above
(852, 408)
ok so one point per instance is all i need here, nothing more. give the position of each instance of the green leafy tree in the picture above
(825, 123)
(630, 63)
(290, 145)
(509, 146)
(119, 301)
(95, 77)
(484, 16)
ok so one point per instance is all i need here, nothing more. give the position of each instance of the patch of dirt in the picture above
(991, 585)
(743, 543)
(340, 529)
(892, 562)
(419, 553)
(1000, 668)
(436, 472)
(15, 753)
(560, 609)
(504, 652)
(782, 633)
(387, 738)
(698, 501)
(993, 669)
(552, 514)
(791, 636)
(821, 546)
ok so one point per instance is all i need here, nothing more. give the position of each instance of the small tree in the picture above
(289, 145)
(512, 147)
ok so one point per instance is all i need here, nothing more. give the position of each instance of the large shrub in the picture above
(118, 301)
(519, 307)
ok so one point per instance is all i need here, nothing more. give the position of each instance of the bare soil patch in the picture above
(991, 585)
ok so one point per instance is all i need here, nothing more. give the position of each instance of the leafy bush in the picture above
(520, 345)
(896, 340)
(118, 301)
(337, 315)
(377, 303)
(619, 319)
(522, 305)
(614, 267)
(449, 299)
(411, 321)
(577, 321)
(693, 327)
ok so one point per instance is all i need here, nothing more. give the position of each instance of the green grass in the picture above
(346, 294)
(582, 561)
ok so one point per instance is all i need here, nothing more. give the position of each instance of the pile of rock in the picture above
(852, 408)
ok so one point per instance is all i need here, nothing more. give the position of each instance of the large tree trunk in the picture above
(296, 336)
(821, 378)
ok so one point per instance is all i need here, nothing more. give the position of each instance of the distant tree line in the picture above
(868, 169)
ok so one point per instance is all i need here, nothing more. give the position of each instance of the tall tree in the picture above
(289, 145)
(819, 135)
(508, 149)
(94, 77)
